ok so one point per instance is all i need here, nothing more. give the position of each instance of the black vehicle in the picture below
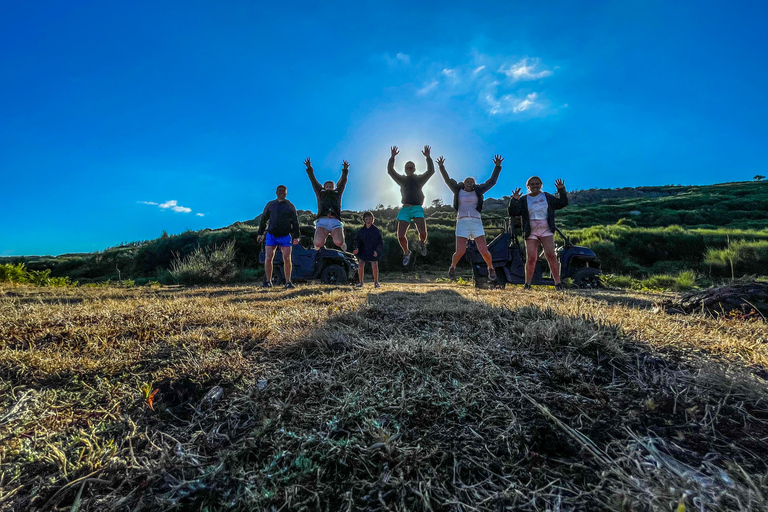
(331, 266)
(508, 256)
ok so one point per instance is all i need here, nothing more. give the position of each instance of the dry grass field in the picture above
(413, 397)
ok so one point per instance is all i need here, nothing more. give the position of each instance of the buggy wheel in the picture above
(587, 277)
(278, 276)
(334, 274)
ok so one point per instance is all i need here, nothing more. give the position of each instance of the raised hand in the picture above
(559, 183)
(345, 165)
(497, 160)
(426, 151)
(394, 151)
(440, 161)
(516, 194)
(308, 163)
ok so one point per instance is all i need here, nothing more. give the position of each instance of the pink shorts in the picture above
(539, 229)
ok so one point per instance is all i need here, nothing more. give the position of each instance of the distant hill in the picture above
(710, 216)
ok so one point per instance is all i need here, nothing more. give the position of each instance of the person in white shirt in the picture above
(537, 209)
(468, 203)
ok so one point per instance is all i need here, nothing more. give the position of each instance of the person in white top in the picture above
(537, 209)
(468, 203)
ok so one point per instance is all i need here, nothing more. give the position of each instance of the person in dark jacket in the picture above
(537, 209)
(412, 198)
(328, 218)
(369, 247)
(282, 226)
(468, 202)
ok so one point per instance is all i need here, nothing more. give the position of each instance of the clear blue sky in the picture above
(203, 108)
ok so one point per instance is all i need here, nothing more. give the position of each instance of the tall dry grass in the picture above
(412, 397)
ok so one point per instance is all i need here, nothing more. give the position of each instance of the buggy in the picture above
(331, 266)
(508, 256)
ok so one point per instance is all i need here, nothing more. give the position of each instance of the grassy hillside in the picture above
(413, 398)
(637, 231)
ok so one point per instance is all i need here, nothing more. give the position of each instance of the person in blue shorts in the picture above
(370, 247)
(282, 226)
(413, 199)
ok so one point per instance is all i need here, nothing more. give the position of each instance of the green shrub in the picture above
(19, 274)
(206, 265)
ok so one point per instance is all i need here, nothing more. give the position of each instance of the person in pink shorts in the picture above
(537, 209)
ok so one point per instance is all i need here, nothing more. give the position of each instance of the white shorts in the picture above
(469, 227)
(539, 229)
(329, 223)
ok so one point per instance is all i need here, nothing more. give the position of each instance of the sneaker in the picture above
(559, 287)
(406, 259)
(452, 272)
(376, 285)
(289, 286)
(424, 249)
(359, 285)
(267, 284)
(492, 274)
(526, 286)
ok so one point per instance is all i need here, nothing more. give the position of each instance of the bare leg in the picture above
(402, 228)
(320, 235)
(338, 238)
(549, 251)
(375, 268)
(461, 247)
(532, 254)
(287, 262)
(483, 248)
(421, 227)
(361, 270)
(269, 255)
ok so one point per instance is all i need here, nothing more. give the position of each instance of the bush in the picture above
(206, 265)
(19, 274)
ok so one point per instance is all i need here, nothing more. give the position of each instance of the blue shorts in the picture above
(408, 213)
(279, 241)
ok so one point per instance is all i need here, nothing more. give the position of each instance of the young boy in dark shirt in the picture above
(369, 247)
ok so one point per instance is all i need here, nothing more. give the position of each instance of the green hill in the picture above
(637, 231)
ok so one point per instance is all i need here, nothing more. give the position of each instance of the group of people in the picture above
(279, 225)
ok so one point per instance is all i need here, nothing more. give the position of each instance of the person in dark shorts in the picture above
(328, 218)
(282, 226)
(468, 199)
(412, 199)
(369, 247)
(537, 209)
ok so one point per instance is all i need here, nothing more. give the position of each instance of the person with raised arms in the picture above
(328, 220)
(468, 199)
(412, 198)
(282, 226)
(537, 209)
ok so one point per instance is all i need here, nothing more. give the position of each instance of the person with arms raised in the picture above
(328, 220)
(412, 199)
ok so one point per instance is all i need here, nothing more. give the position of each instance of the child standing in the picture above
(370, 245)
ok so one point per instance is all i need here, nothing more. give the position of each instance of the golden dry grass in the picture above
(411, 397)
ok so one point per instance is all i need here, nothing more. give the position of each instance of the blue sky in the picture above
(121, 120)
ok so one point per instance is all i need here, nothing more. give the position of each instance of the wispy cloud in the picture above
(478, 69)
(522, 70)
(200, 214)
(172, 205)
(512, 104)
(400, 59)
(427, 88)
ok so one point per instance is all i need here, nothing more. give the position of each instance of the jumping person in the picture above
(282, 226)
(413, 199)
(369, 247)
(468, 203)
(538, 212)
(328, 218)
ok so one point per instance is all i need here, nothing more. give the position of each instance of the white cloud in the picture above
(478, 69)
(449, 72)
(403, 58)
(399, 59)
(173, 205)
(427, 88)
(200, 214)
(511, 104)
(523, 71)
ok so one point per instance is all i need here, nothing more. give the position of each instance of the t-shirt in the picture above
(537, 207)
(468, 204)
